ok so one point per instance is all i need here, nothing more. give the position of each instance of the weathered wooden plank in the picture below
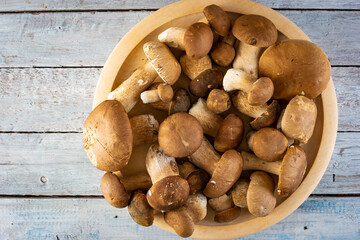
(37, 5)
(59, 99)
(317, 218)
(87, 38)
(25, 158)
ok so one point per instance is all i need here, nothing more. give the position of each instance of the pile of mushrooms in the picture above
(196, 157)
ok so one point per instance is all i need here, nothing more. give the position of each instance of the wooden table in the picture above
(51, 55)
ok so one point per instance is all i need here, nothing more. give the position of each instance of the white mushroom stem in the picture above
(237, 79)
(252, 162)
(205, 157)
(173, 37)
(144, 128)
(209, 120)
(160, 165)
(150, 96)
(240, 101)
(129, 91)
(163, 92)
(136, 181)
(247, 58)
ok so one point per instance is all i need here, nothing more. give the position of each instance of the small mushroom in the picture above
(197, 181)
(230, 133)
(209, 79)
(218, 19)
(260, 195)
(198, 40)
(185, 169)
(169, 191)
(264, 115)
(268, 143)
(221, 203)
(290, 170)
(173, 37)
(193, 67)
(296, 67)
(140, 210)
(163, 61)
(258, 91)
(180, 135)
(116, 190)
(253, 32)
(209, 120)
(163, 92)
(298, 121)
(227, 215)
(239, 193)
(218, 101)
(223, 54)
(145, 129)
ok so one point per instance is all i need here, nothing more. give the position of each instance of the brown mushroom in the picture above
(290, 170)
(223, 54)
(227, 215)
(196, 178)
(185, 169)
(169, 191)
(173, 37)
(198, 40)
(193, 67)
(296, 67)
(180, 103)
(230, 133)
(218, 19)
(298, 121)
(239, 193)
(260, 195)
(107, 136)
(221, 203)
(253, 32)
(116, 190)
(218, 101)
(268, 143)
(163, 92)
(140, 210)
(145, 129)
(209, 79)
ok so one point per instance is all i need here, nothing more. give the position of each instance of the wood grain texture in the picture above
(53, 5)
(89, 218)
(87, 38)
(25, 158)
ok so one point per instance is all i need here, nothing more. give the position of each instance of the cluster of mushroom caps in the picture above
(187, 170)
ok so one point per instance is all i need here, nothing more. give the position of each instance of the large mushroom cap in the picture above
(255, 30)
(107, 136)
(180, 135)
(292, 170)
(218, 19)
(296, 67)
(140, 210)
(226, 173)
(114, 191)
(198, 40)
(168, 193)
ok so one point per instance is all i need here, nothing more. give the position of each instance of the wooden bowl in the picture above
(128, 55)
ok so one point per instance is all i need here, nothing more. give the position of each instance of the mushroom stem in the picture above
(252, 162)
(173, 37)
(193, 67)
(129, 91)
(205, 157)
(161, 92)
(247, 58)
(136, 181)
(237, 79)
(144, 128)
(240, 101)
(150, 96)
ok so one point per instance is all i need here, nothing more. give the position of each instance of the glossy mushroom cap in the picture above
(229, 134)
(205, 82)
(198, 40)
(218, 19)
(255, 30)
(114, 191)
(268, 117)
(180, 135)
(107, 136)
(296, 67)
(261, 91)
(226, 173)
(140, 210)
(292, 170)
(223, 54)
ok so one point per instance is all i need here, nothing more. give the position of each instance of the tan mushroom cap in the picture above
(166, 93)
(226, 173)
(114, 191)
(261, 91)
(197, 181)
(197, 206)
(140, 210)
(168, 193)
(255, 30)
(296, 67)
(221, 203)
(239, 193)
(229, 134)
(218, 101)
(223, 54)
(180, 135)
(218, 19)
(205, 82)
(268, 117)
(198, 40)
(260, 196)
(193, 67)
(268, 144)
(227, 215)
(181, 221)
(292, 170)
(107, 136)
(298, 121)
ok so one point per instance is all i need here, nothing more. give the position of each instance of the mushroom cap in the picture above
(239, 193)
(198, 40)
(197, 206)
(260, 195)
(181, 101)
(166, 93)
(255, 30)
(218, 101)
(180, 135)
(223, 54)
(205, 82)
(296, 67)
(185, 168)
(227, 215)
(181, 221)
(269, 144)
(218, 19)
(229, 134)
(197, 181)
(107, 136)
(226, 173)
(168, 193)
(268, 117)
(292, 170)
(261, 91)
(163, 61)
(140, 210)
(221, 203)
(114, 191)
(299, 119)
